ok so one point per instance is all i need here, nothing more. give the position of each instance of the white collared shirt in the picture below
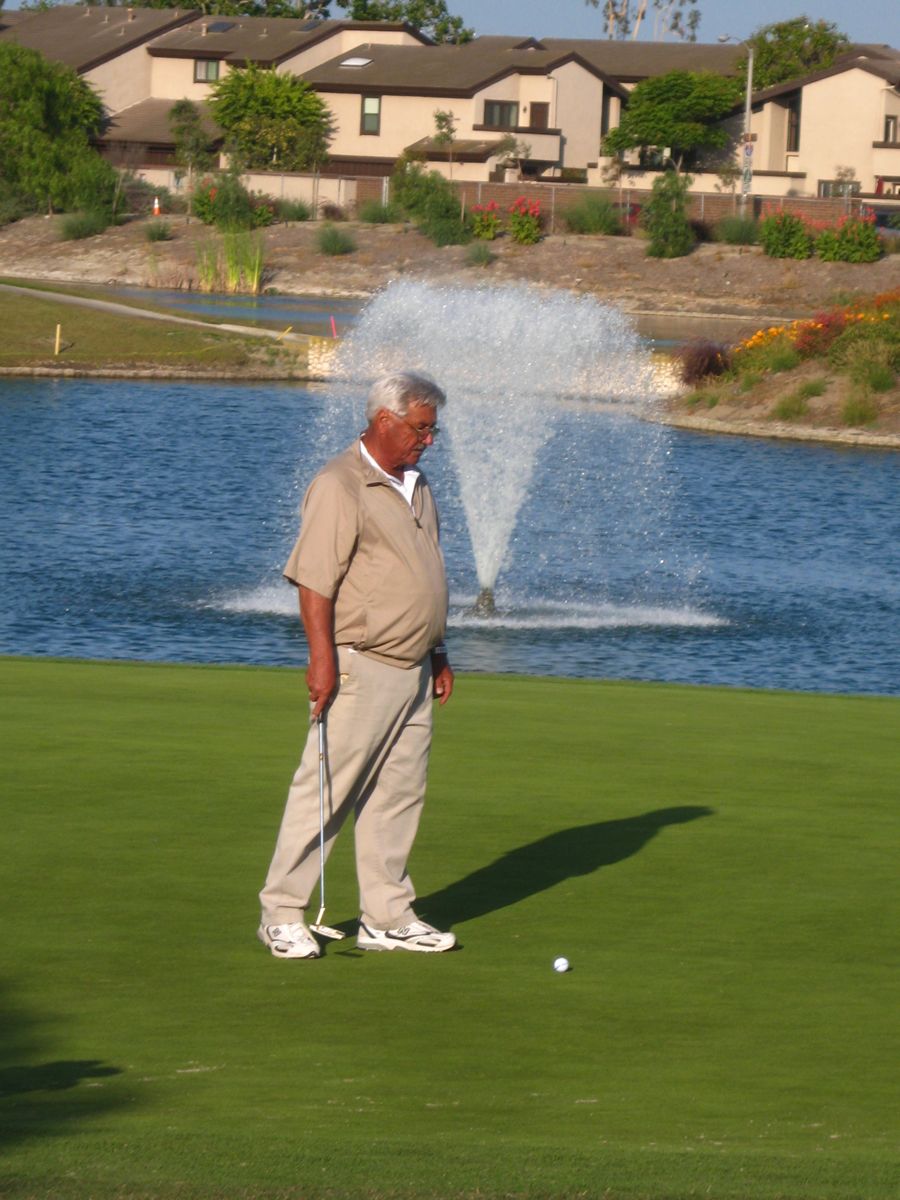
(406, 487)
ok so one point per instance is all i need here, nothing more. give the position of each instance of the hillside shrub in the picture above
(486, 222)
(226, 203)
(782, 235)
(374, 212)
(479, 255)
(664, 217)
(431, 202)
(158, 231)
(292, 210)
(334, 241)
(593, 214)
(736, 231)
(864, 339)
(77, 225)
(854, 239)
(525, 221)
(814, 337)
(700, 359)
(859, 409)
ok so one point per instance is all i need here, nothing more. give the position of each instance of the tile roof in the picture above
(261, 40)
(445, 69)
(148, 122)
(82, 36)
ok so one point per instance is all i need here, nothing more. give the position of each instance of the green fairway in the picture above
(718, 866)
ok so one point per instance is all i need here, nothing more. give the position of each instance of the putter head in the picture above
(326, 931)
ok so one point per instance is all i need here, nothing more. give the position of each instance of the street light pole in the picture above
(747, 142)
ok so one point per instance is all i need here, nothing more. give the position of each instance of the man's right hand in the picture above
(317, 614)
(321, 679)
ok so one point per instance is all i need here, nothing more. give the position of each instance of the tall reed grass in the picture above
(233, 263)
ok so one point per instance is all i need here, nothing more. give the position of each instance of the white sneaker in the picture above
(415, 936)
(289, 941)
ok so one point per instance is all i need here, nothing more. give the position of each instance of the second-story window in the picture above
(890, 129)
(501, 114)
(206, 70)
(793, 125)
(370, 115)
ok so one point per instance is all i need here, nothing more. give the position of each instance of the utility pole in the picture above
(747, 140)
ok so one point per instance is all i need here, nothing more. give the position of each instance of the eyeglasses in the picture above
(422, 431)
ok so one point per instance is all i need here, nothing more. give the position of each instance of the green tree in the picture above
(193, 145)
(678, 112)
(664, 216)
(47, 118)
(275, 122)
(429, 16)
(624, 18)
(445, 132)
(791, 49)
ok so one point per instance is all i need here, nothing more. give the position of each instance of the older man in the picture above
(373, 601)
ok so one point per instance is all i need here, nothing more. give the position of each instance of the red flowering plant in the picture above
(815, 336)
(525, 221)
(486, 220)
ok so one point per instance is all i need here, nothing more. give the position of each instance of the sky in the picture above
(864, 21)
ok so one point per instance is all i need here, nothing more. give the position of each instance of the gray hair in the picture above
(396, 392)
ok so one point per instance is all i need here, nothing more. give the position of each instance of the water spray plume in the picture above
(509, 359)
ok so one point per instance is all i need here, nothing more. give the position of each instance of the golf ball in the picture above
(560, 964)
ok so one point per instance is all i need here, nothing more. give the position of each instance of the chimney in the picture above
(203, 29)
(131, 14)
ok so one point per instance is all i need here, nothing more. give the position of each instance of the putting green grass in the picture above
(719, 867)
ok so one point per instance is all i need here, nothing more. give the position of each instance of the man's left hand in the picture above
(442, 676)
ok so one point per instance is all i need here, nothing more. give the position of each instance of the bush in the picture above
(859, 409)
(814, 337)
(334, 241)
(486, 220)
(12, 206)
(789, 408)
(854, 240)
(329, 211)
(226, 203)
(525, 221)
(292, 210)
(593, 214)
(700, 359)
(373, 212)
(871, 364)
(430, 200)
(862, 340)
(479, 255)
(737, 231)
(83, 225)
(782, 235)
(158, 231)
(446, 231)
(664, 217)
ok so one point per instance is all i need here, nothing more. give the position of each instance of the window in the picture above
(890, 129)
(501, 114)
(206, 70)
(370, 115)
(838, 188)
(357, 62)
(793, 125)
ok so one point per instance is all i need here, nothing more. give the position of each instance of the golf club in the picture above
(324, 930)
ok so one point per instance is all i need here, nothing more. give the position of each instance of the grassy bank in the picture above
(95, 340)
(714, 863)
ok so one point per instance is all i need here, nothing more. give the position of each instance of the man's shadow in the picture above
(550, 860)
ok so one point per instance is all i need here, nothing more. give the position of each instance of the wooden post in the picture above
(58, 336)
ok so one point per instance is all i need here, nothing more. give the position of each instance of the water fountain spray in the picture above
(508, 358)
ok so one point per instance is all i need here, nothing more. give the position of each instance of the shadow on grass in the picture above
(550, 860)
(41, 1097)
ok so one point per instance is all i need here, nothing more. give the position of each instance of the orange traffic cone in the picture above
(156, 206)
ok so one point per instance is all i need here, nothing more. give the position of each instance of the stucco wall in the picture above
(124, 80)
(173, 79)
(578, 112)
(404, 120)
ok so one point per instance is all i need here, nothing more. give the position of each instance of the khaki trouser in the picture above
(378, 734)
